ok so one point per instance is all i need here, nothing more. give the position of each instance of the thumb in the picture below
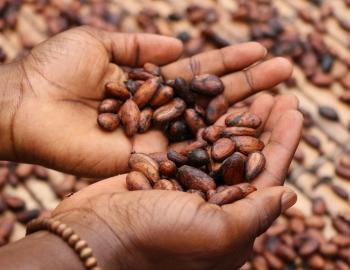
(254, 214)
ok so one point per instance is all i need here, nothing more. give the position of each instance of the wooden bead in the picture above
(54, 225)
(85, 253)
(67, 233)
(73, 239)
(80, 245)
(61, 228)
(90, 262)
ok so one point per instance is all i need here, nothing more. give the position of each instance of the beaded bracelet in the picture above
(60, 229)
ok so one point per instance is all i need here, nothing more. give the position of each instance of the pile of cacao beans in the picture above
(217, 158)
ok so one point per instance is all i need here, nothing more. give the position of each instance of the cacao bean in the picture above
(146, 91)
(167, 168)
(178, 131)
(247, 144)
(130, 117)
(328, 113)
(182, 90)
(222, 148)
(176, 157)
(137, 181)
(245, 119)
(108, 121)
(169, 111)
(116, 90)
(109, 105)
(164, 184)
(217, 107)
(163, 95)
(238, 131)
(228, 195)
(27, 215)
(212, 133)
(146, 165)
(319, 206)
(193, 178)
(207, 84)
(145, 120)
(341, 192)
(139, 74)
(232, 169)
(14, 203)
(193, 120)
(254, 166)
(198, 157)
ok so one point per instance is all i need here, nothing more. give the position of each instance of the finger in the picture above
(280, 149)
(115, 74)
(283, 103)
(133, 50)
(254, 214)
(261, 107)
(262, 76)
(216, 62)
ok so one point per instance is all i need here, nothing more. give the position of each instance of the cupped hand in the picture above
(54, 120)
(175, 230)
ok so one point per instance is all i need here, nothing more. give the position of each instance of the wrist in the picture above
(41, 250)
(105, 245)
(11, 81)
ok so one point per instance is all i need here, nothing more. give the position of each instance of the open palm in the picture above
(55, 121)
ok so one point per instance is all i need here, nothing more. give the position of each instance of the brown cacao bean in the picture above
(14, 203)
(213, 133)
(176, 157)
(108, 121)
(109, 105)
(178, 131)
(222, 148)
(193, 178)
(319, 206)
(116, 90)
(245, 119)
(139, 74)
(273, 261)
(328, 249)
(238, 131)
(169, 111)
(226, 196)
(232, 169)
(254, 166)
(167, 168)
(286, 253)
(316, 262)
(145, 120)
(27, 215)
(163, 95)
(146, 91)
(164, 184)
(308, 247)
(146, 165)
(341, 192)
(328, 113)
(207, 84)
(247, 144)
(193, 120)
(246, 188)
(182, 90)
(137, 181)
(217, 107)
(130, 117)
(198, 157)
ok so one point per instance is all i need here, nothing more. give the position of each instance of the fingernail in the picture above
(288, 199)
